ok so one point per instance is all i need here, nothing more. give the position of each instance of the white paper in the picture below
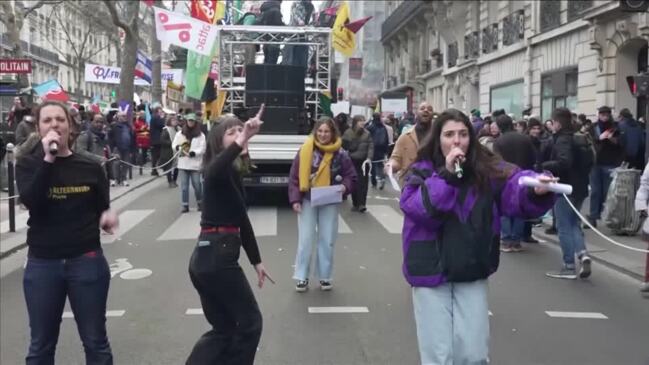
(326, 195)
(553, 187)
(393, 181)
(185, 32)
(394, 105)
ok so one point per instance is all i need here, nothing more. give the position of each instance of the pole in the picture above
(11, 185)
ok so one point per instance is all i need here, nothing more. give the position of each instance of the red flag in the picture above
(331, 11)
(149, 2)
(356, 25)
(204, 10)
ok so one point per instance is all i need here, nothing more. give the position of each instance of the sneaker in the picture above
(185, 209)
(564, 273)
(362, 209)
(325, 285)
(506, 247)
(644, 288)
(125, 183)
(302, 286)
(113, 183)
(584, 268)
(154, 173)
(517, 247)
(531, 240)
(551, 230)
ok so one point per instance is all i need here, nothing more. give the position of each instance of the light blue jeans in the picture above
(571, 236)
(452, 323)
(325, 218)
(185, 177)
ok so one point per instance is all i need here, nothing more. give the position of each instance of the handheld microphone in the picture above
(54, 148)
(458, 170)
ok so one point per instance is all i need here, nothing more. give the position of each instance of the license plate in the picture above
(273, 180)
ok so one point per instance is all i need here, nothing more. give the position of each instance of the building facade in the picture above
(515, 55)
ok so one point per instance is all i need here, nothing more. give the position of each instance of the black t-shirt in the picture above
(65, 201)
(223, 202)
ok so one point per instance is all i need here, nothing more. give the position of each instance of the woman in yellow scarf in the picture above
(319, 163)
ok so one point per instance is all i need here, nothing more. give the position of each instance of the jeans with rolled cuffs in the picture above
(317, 225)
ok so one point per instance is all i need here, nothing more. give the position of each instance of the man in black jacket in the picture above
(271, 15)
(565, 164)
(157, 125)
(518, 149)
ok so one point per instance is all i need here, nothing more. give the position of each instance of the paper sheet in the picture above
(326, 195)
(393, 181)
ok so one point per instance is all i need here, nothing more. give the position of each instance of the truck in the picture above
(272, 150)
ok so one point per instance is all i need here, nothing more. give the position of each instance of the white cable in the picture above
(151, 168)
(9, 197)
(600, 233)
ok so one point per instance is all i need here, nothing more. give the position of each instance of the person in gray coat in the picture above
(641, 204)
(358, 142)
(24, 129)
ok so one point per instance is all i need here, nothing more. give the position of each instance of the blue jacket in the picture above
(157, 125)
(451, 232)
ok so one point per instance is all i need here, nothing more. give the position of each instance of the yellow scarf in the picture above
(323, 175)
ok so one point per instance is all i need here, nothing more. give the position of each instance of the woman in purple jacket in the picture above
(451, 236)
(319, 163)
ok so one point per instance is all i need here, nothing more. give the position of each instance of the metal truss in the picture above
(233, 39)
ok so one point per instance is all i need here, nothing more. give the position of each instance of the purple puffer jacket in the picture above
(451, 232)
(341, 168)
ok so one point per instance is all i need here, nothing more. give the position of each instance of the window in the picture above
(550, 14)
(576, 7)
(509, 97)
(558, 89)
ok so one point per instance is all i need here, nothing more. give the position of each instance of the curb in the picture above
(607, 263)
(23, 245)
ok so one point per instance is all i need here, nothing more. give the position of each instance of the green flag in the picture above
(325, 104)
(236, 14)
(198, 67)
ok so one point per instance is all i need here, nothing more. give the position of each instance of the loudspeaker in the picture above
(274, 85)
(280, 120)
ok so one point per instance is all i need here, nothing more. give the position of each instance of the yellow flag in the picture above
(344, 40)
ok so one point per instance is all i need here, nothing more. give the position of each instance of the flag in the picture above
(325, 103)
(185, 32)
(198, 66)
(204, 10)
(51, 90)
(143, 67)
(356, 25)
(236, 14)
(148, 2)
(344, 40)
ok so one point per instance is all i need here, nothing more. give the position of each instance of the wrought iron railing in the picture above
(453, 54)
(490, 38)
(513, 28)
(550, 14)
(576, 7)
(472, 45)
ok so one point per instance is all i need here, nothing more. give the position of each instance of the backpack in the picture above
(584, 150)
(619, 209)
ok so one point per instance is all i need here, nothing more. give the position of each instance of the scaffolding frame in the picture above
(232, 37)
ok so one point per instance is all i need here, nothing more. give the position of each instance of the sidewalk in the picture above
(11, 242)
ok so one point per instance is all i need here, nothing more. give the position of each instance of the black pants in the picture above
(228, 303)
(172, 176)
(359, 195)
(155, 157)
(271, 54)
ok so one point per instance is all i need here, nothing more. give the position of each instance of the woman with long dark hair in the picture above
(451, 236)
(191, 144)
(228, 301)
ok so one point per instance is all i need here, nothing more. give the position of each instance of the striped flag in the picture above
(143, 67)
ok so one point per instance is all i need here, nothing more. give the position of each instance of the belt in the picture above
(220, 229)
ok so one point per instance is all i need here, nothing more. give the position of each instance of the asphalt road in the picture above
(153, 305)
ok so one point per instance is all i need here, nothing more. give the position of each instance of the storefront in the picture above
(508, 96)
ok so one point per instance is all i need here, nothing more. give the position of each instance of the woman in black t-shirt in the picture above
(68, 201)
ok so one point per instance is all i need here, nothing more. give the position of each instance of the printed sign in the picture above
(110, 75)
(15, 66)
(185, 32)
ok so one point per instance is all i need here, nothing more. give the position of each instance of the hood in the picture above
(268, 5)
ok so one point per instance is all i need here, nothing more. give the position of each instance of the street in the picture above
(154, 314)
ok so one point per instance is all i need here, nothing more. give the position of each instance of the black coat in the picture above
(516, 148)
(564, 165)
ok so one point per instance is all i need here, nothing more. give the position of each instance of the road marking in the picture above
(194, 311)
(319, 310)
(588, 315)
(127, 220)
(389, 218)
(112, 313)
(135, 274)
(264, 221)
(186, 227)
(343, 227)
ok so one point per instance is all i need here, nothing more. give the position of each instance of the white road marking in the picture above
(389, 218)
(588, 315)
(186, 227)
(111, 313)
(319, 310)
(264, 221)
(127, 220)
(343, 227)
(135, 274)
(194, 311)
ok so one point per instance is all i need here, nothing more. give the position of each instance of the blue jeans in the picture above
(84, 280)
(600, 179)
(377, 173)
(452, 323)
(571, 237)
(511, 229)
(185, 177)
(325, 218)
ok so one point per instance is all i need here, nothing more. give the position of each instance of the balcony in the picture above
(490, 38)
(576, 7)
(399, 18)
(453, 54)
(472, 45)
(513, 28)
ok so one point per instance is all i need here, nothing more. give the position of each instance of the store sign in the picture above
(110, 75)
(356, 68)
(15, 66)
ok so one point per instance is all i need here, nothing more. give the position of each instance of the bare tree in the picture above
(156, 58)
(129, 24)
(78, 41)
(13, 15)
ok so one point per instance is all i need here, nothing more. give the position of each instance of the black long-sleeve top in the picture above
(65, 201)
(223, 202)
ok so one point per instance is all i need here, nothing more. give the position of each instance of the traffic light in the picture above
(638, 85)
(339, 93)
(634, 6)
(113, 94)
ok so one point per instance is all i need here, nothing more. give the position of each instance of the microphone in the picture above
(54, 148)
(458, 170)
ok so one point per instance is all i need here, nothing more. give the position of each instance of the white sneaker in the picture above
(125, 183)
(113, 183)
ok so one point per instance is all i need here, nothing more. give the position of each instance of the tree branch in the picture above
(110, 5)
(91, 55)
(38, 5)
(50, 34)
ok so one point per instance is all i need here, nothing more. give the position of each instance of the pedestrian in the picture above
(517, 149)
(227, 299)
(157, 125)
(381, 141)
(641, 203)
(167, 152)
(488, 137)
(24, 129)
(94, 141)
(609, 155)
(191, 144)
(477, 121)
(271, 15)
(451, 237)
(632, 139)
(17, 113)
(521, 126)
(342, 122)
(142, 138)
(121, 140)
(405, 150)
(542, 149)
(358, 143)
(68, 200)
(320, 162)
(566, 162)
